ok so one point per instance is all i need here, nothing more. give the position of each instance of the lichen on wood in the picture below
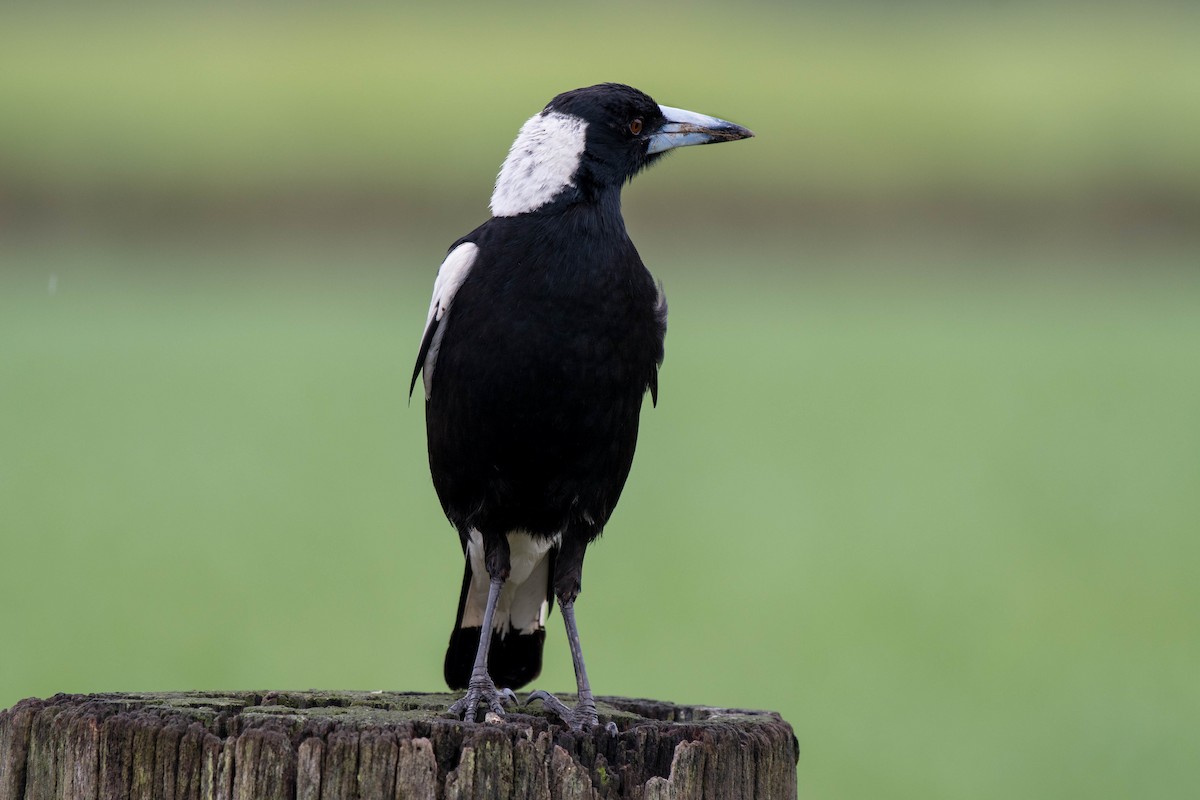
(367, 745)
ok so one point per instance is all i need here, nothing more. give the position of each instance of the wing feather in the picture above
(660, 319)
(450, 277)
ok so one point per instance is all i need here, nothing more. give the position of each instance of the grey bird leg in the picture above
(583, 716)
(568, 575)
(481, 686)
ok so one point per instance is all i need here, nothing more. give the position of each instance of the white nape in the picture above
(540, 164)
(451, 274)
(522, 605)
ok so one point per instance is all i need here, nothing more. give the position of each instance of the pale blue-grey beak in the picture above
(684, 128)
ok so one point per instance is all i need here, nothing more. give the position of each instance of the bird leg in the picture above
(583, 716)
(568, 575)
(481, 687)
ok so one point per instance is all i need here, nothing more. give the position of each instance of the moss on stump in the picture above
(328, 745)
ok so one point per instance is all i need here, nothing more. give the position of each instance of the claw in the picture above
(482, 690)
(465, 706)
(497, 701)
(461, 708)
(549, 701)
(578, 719)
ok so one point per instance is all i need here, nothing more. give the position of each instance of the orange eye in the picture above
(635, 127)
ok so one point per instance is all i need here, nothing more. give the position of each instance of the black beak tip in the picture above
(735, 132)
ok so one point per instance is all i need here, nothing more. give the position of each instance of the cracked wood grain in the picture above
(369, 745)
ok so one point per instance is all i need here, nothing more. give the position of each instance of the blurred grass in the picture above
(1005, 98)
(923, 480)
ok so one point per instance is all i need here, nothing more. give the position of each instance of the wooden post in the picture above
(366, 745)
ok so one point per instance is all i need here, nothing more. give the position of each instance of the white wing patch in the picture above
(540, 164)
(451, 274)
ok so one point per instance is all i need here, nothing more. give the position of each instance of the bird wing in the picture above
(660, 319)
(451, 274)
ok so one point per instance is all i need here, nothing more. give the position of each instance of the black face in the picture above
(620, 121)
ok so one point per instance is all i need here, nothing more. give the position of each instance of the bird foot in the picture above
(481, 689)
(580, 718)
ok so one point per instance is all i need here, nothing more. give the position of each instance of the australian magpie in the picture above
(543, 336)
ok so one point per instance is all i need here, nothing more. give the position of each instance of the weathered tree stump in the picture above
(329, 745)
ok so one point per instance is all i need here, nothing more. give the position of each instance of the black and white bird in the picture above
(544, 334)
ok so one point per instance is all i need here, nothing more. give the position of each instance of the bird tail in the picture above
(518, 629)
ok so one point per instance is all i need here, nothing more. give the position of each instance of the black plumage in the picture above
(556, 336)
(545, 334)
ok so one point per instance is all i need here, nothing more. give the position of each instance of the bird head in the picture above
(590, 141)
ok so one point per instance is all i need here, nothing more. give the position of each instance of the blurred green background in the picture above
(925, 471)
